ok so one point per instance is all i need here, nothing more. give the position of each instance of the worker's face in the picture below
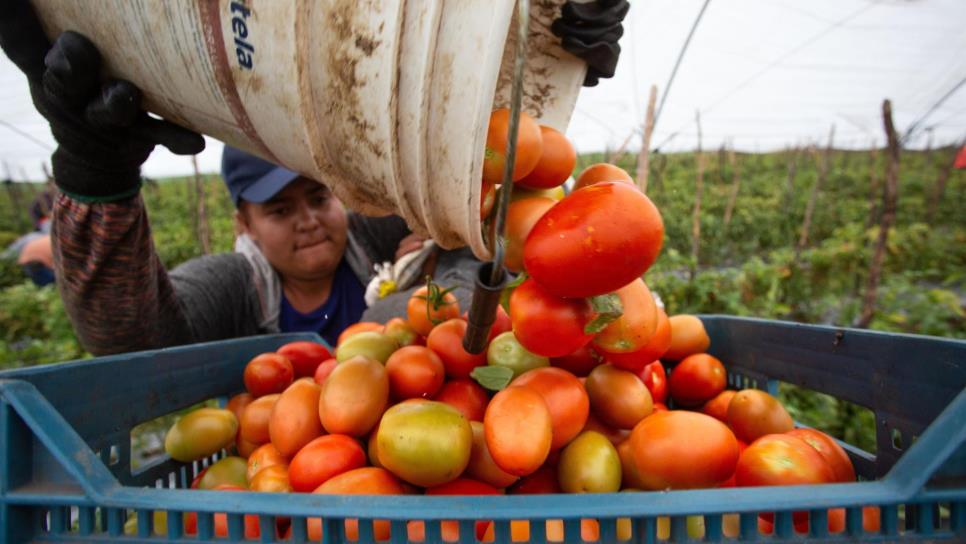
(301, 231)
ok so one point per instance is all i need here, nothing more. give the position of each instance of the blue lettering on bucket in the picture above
(244, 50)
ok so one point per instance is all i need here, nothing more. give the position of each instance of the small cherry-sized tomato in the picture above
(697, 379)
(429, 306)
(546, 324)
(268, 373)
(594, 241)
(465, 395)
(446, 339)
(305, 356)
(200, 433)
(415, 372)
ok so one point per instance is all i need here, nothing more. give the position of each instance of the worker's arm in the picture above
(590, 30)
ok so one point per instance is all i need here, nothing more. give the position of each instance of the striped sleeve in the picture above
(115, 289)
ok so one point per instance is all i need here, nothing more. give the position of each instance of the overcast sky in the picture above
(763, 73)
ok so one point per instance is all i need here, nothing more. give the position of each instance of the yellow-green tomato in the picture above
(426, 443)
(374, 345)
(505, 350)
(589, 464)
(230, 470)
(200, 433)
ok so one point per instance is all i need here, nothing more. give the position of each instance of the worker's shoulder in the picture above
(221, 267)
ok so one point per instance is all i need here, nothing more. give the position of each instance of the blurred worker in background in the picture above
(302, 261)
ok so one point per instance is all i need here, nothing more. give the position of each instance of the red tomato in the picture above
(414, 372)
(579, 363)
(323, 458)
(655, 378)
(465, 395)
(521, 216)
(697, 379)
(654, 350)
(324, 369)
(268, 373)
(730, 482)
(304, 356)
(565, 397)
(659, 407)
(780, 459)
(718, 406)
(594, 241)
(543, 481)
(546, 324)
(446, 339)
(830, 450)
(556, 162)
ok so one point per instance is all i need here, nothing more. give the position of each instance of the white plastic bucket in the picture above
(386, 102)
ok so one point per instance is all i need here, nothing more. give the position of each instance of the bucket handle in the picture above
(491, 281)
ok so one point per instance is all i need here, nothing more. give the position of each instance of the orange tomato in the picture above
(465, 395)
(687, 337)
(599, 172)
(354, 397)
(753, 413)
(253, 426)
(482, 467)
(324, 458)
(429, 306)
(446, 339)
(655, 348)
(244, 447)
(697, 379)
(556, 163)
(355, 328)
(717, 407)
(361, 481)
(683, 450)
(521, 215)
(273, 479)
(238, 403)
(630, 477)
(263, 457)
(633, 330)
(414, 372)
(781, 459)
(566, 399)
(514, 413)
(529, 146)
(830, 450)
(618, 397)
(295, 417)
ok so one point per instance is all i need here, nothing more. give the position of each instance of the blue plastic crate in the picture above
(65, 470)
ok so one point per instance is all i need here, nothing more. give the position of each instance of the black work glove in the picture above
(103, 135)
(590, 31)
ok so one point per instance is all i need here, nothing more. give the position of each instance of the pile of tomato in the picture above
(570, 396)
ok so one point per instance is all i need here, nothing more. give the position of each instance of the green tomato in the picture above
(589, 464)
(506, 351)
(230, 470)
(371, 344)
(426, 443)
(201, 433)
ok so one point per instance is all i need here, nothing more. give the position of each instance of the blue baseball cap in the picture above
(251, 178)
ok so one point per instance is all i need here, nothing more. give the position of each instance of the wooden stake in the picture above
(939, 190)
(735, 186)
(696, 216)
(874, 182)
(823, 168)
(644, 158)
(204, 237)
(889, 203)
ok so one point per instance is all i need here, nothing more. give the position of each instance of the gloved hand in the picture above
(103, 135)
(590, 31)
